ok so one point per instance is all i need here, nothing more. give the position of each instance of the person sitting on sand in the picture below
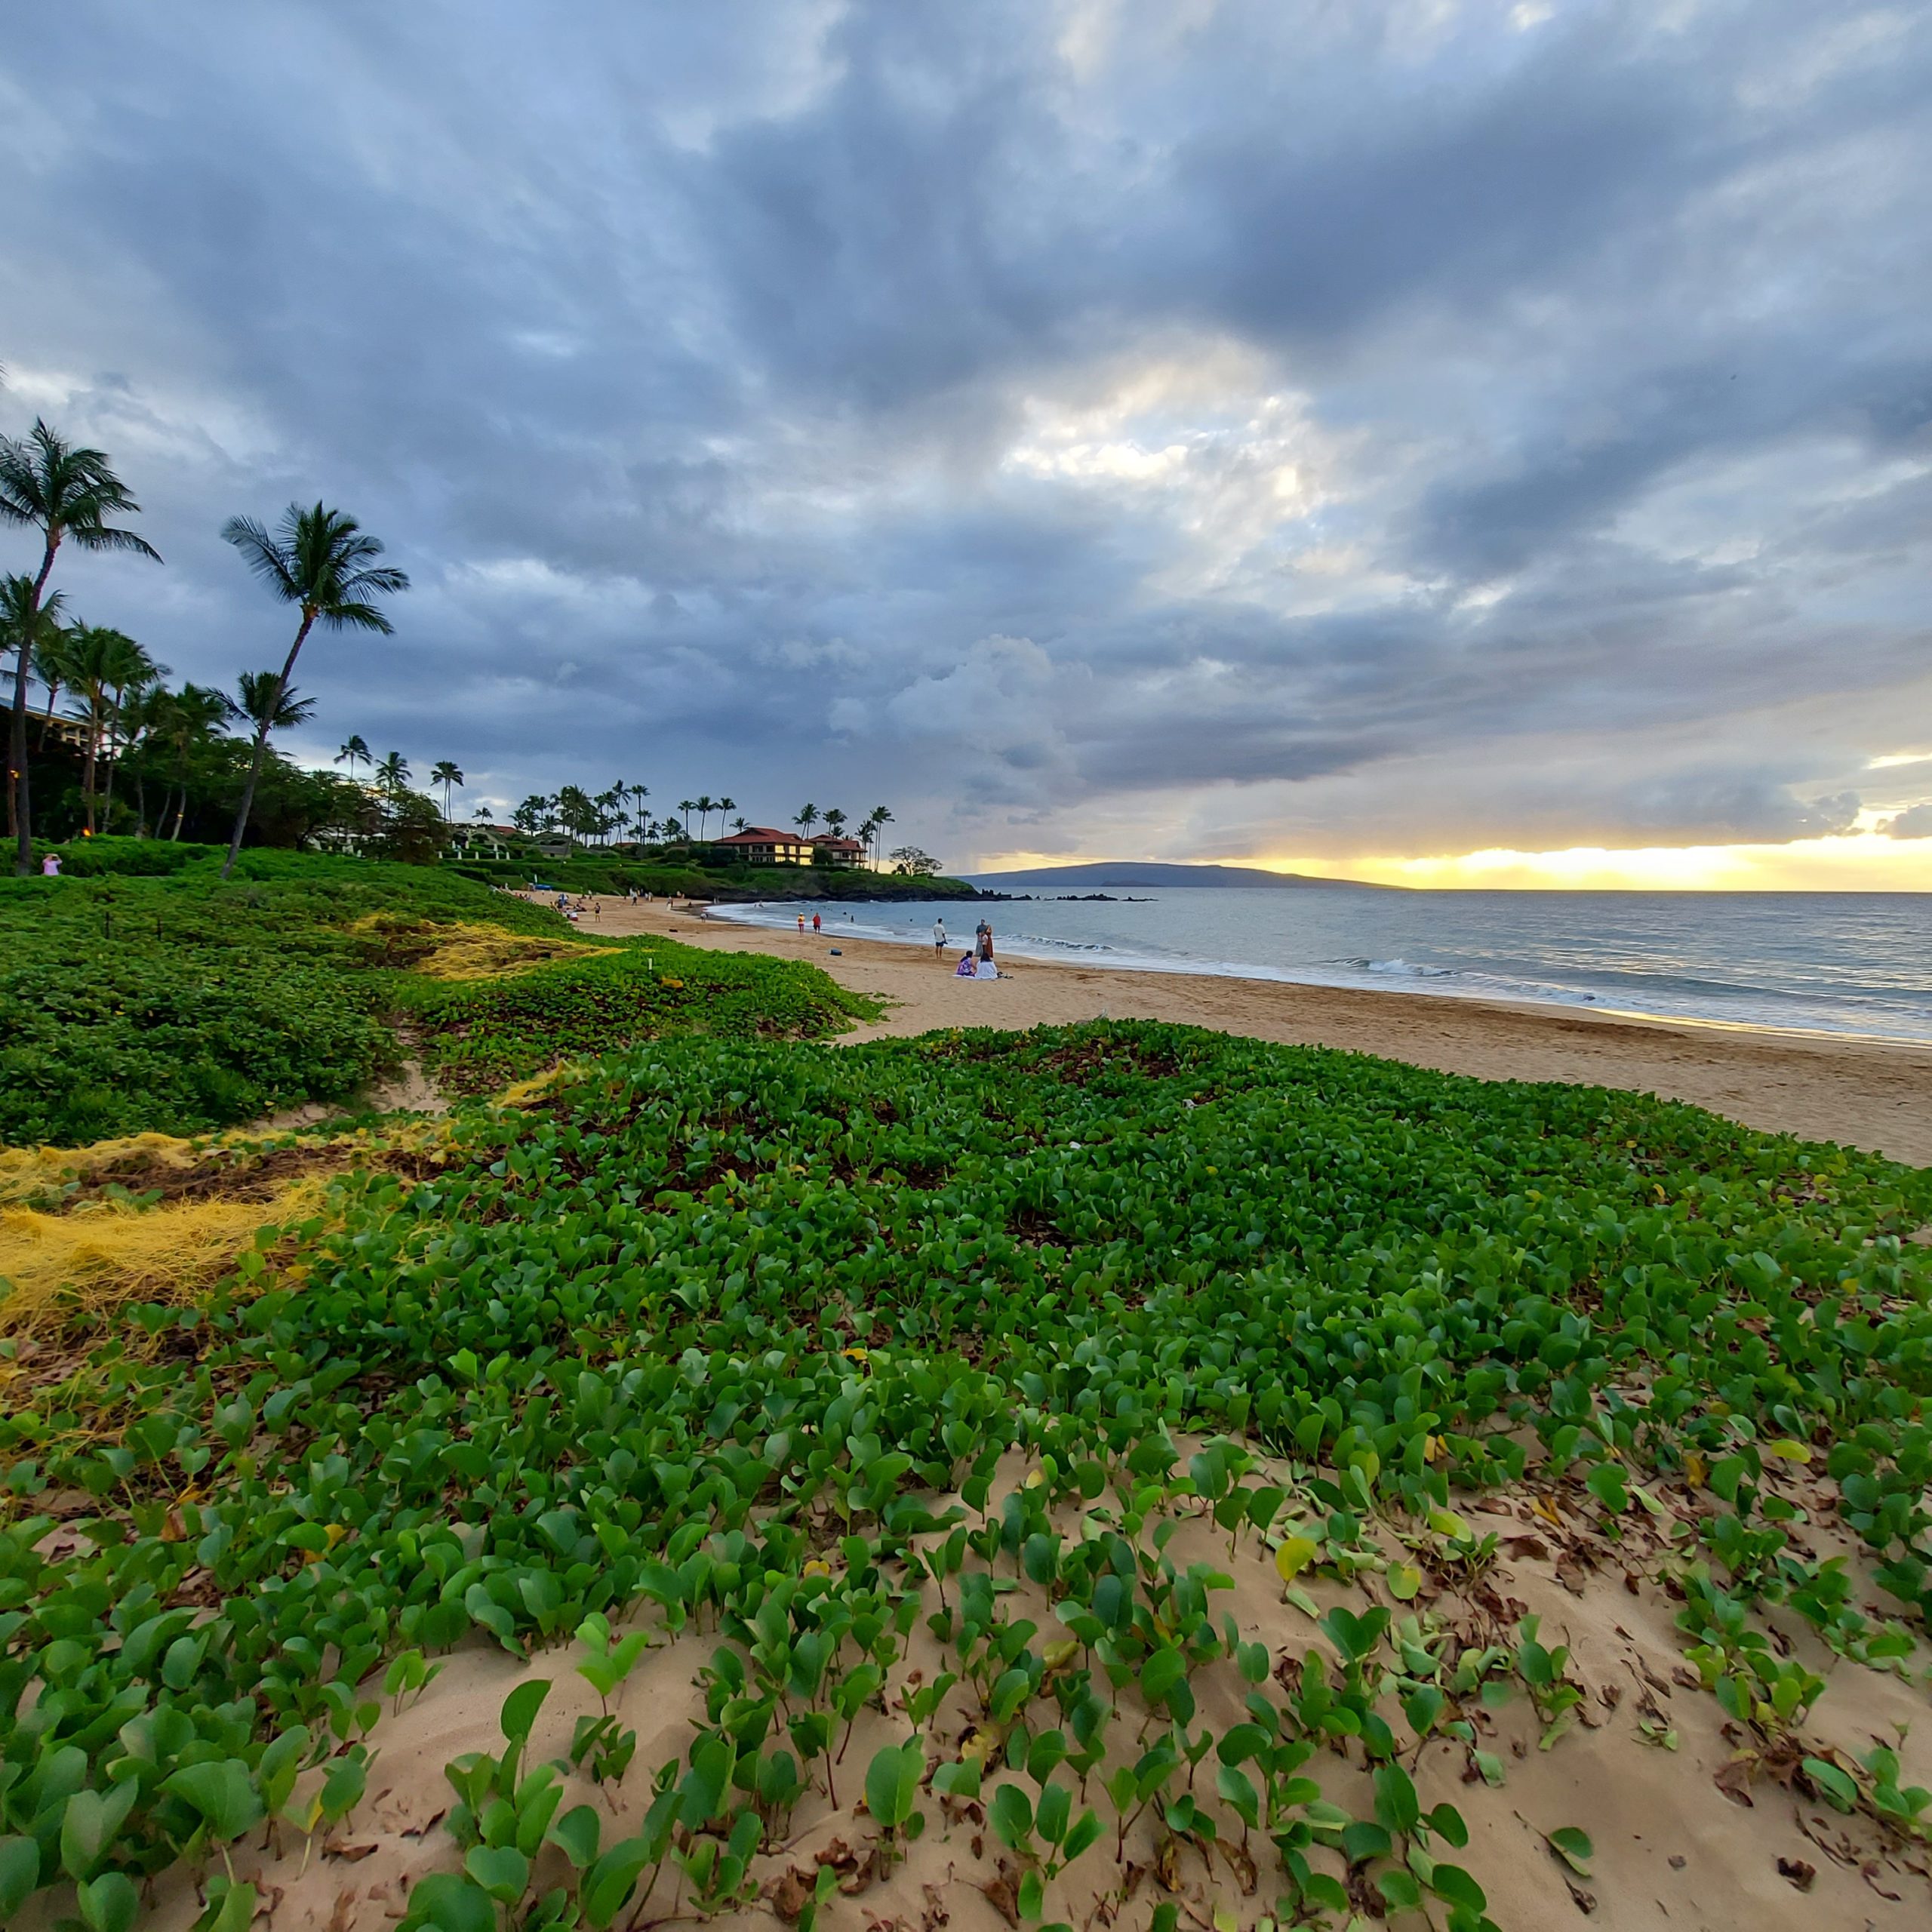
(965, 970)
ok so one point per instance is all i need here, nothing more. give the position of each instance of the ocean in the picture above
(1846, 963)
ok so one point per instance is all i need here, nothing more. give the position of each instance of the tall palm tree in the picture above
(706, 806)
(725, 807)
(639, 821)
(355, 752)
(687, 806)
(103, 664)
(807, 818)
(29, 625)
(190, 718)
(392, 775)
(51, 656)
(323, 562)
(880, 819)
(63, 492)
(835, 821)
(133, 675)
(444, 773)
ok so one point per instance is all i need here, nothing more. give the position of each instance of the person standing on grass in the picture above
(938, 936)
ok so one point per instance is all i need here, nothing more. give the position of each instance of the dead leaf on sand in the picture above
(789, 1894)
(1002, 1893)
(1799, 1871)
(1734, 1781)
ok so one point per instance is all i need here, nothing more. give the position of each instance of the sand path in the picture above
(1865, 1093)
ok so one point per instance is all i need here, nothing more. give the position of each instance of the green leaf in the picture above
(1160, 1674)
(20, 1873)
(1011, 1812)
(447, 1902)
(1399, 1890)
(109, 1904)
(1573, 1846)
(1452, 1883)
(89, 1825)
(1396, 1804)
(892, 1781)
(222, 1793)
(1404, 1580)
(577, 1832)
(1839, 1789)
(609, 1884)
(501, 1870)
(520, 1709)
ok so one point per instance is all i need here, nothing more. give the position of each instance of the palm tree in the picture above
(320, 561)
(738, 824)
(444, 773)
(835, 821)
(63, 492)
(807, 818)
(103, 664)
(29, 624)
(725, 807)
(262, 699)
(51, 656)
(880, 819)
(190, 717)
(133, 674)
(640, 823)
(392, 775)
(355, 752)
(687, 806)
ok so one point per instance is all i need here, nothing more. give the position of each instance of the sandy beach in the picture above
(1868, 1094)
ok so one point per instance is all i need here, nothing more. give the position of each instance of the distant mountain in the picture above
(1118, 874)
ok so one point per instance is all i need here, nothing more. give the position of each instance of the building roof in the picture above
(836, 845)
(759, 835)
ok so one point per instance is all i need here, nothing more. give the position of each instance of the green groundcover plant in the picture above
(176, 1001)
(704, 1337)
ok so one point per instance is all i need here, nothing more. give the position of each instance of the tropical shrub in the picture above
(731, 1336)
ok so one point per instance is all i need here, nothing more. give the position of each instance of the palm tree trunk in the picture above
(47, 723)
(262, 744)
(113, 759)
(87, 770)
(19, 790)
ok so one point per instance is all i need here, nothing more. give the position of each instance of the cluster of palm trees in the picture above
(868, 830)
(390, 776)
(319, 560)
(597, 816)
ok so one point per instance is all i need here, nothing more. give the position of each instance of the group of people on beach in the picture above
(976, 964)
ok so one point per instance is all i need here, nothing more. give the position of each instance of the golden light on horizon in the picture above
(1855, 862)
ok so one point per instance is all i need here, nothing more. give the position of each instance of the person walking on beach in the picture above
(816, 926)
(801, 925)
(938, 936)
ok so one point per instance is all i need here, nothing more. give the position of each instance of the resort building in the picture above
(765, 845)
(828, 849)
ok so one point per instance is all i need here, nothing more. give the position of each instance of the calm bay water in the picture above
(1850, 963)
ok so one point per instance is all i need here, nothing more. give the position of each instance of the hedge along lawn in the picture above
(1021, 1355)
(180, 1005)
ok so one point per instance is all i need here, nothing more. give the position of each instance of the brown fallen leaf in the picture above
(430, 1823)
(1801, 1873)
(1734, 1781)
(1003, 1894)
(1167, 1861)
(343, 1919)
(789, 1894)
(1584, 1901)
(1686, 1680)
(349, 1853)
(935, 1915)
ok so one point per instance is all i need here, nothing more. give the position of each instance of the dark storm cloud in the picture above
(1033, 416)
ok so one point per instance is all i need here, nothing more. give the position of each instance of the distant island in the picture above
(1111, 872)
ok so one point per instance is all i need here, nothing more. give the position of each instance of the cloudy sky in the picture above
(1448, 440)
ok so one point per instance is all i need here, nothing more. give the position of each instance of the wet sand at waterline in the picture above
(1866, 1093)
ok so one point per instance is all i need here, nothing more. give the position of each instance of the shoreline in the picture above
(1421, 988)
(1866, 1093)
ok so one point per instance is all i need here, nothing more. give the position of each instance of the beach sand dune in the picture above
(1866, 1093)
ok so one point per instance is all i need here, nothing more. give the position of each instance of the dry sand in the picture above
(1864, 1093)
